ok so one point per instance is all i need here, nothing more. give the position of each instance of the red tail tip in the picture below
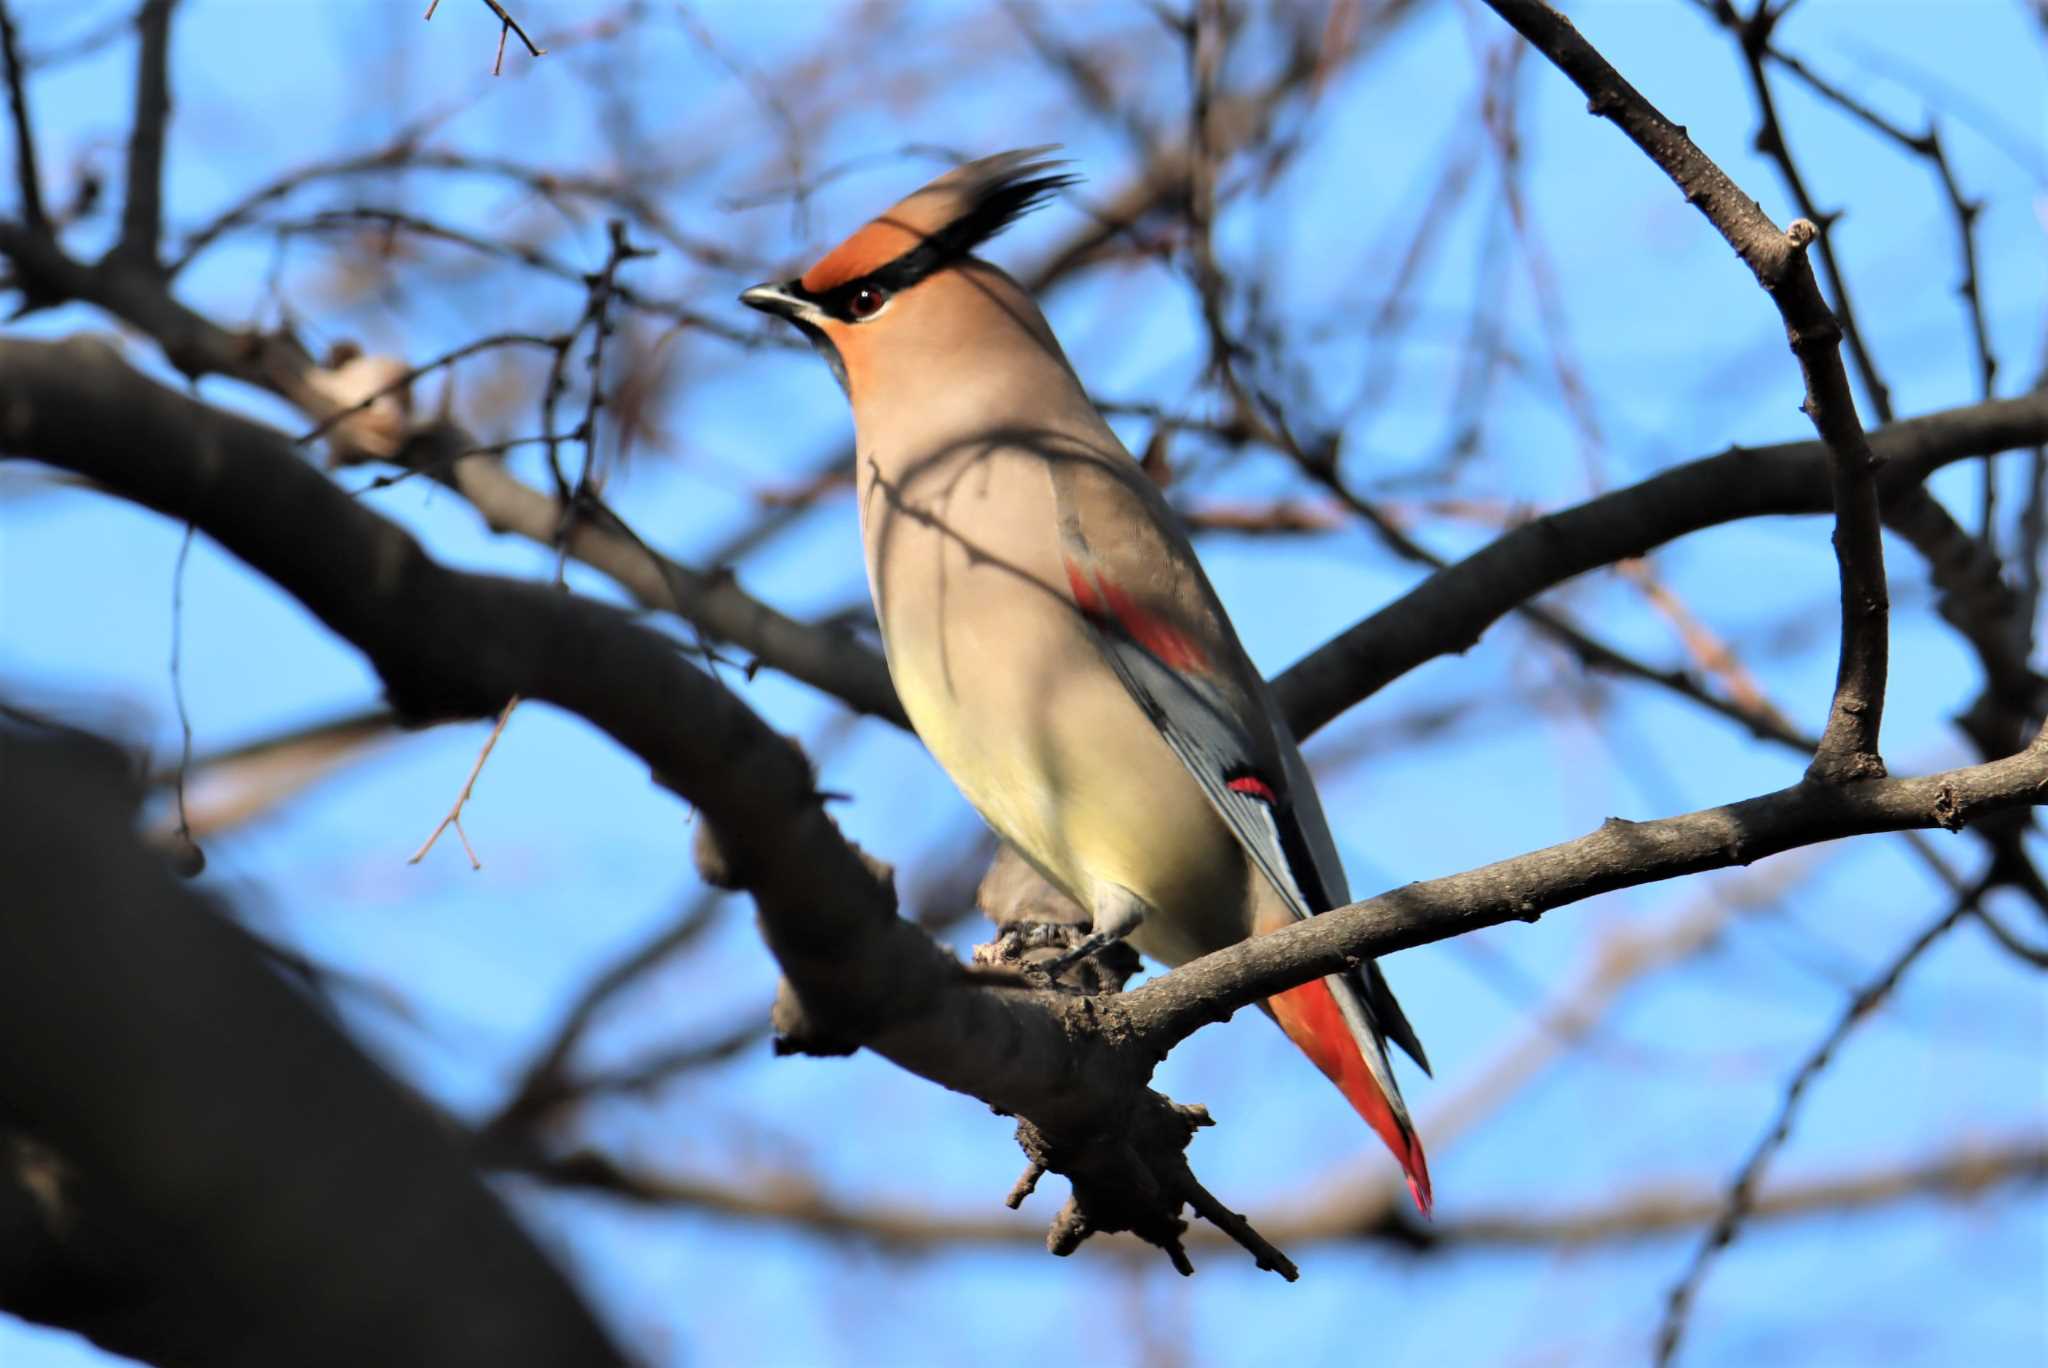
(1416, 1169)
(1419, 1190)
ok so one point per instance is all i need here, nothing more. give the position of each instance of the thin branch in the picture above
(1650, 1213)
(404, 381)
(2007, 937)
(507, 24)
(26, 175)
(190, 860)
(1927, 145)
(454, 817)
(398, 221)
(1754, 36)
(1741, 1196)
(1849, 745)
(1450, 609)
(142, 209)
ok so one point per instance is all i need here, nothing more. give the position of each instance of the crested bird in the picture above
(1052, 636)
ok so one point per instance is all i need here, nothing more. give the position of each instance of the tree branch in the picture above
(1074, 1067)
(142, 210)
(1651, 1212)
(1741, 1196)
(1448, 611)
(290, 1204)
(1621, 854)
(26, 175)
(1848, 747)
(453, 644)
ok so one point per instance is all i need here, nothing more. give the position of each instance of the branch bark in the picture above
(1621, 854)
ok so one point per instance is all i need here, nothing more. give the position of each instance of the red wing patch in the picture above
(1254, 786)
(1171, 646)
(1084, 592)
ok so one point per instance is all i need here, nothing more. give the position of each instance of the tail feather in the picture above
(1386, 1010)
(1348, 1047)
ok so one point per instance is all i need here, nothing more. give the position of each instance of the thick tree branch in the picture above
(1621, 854)
(821, 655)
(289, 1203)
(454, 644)
(1848, 747)
(1448, 611)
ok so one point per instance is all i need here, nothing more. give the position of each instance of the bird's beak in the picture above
(777, 300)
(785, 303)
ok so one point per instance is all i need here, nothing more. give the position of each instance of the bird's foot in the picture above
(1091, 945)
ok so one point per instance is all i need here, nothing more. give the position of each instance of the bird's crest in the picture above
(941, 223)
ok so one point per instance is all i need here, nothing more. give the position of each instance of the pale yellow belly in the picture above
(1011, 695)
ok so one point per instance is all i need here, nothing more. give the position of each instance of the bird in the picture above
(1051, 634)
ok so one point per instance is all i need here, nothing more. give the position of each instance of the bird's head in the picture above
(907, 283)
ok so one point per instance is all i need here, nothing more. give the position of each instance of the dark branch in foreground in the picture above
(291, 1204)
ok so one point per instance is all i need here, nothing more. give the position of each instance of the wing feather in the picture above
(1159, 625)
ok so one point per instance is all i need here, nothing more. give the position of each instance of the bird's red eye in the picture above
(866, 300)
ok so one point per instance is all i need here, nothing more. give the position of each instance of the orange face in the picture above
(937, 227)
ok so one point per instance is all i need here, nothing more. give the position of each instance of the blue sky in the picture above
(583, 856)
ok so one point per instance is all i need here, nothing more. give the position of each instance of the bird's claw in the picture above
(1089, 946)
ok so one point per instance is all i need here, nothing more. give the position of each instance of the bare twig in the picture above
(1849, 745)
(1754, 34)
(397, 221)
(1741, 1194)
(1652, 1212)
(454, 817)
(507, 24)
(142, 209)
(190, 859)
(404, 381)
(26, 175)
(2007, 937)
